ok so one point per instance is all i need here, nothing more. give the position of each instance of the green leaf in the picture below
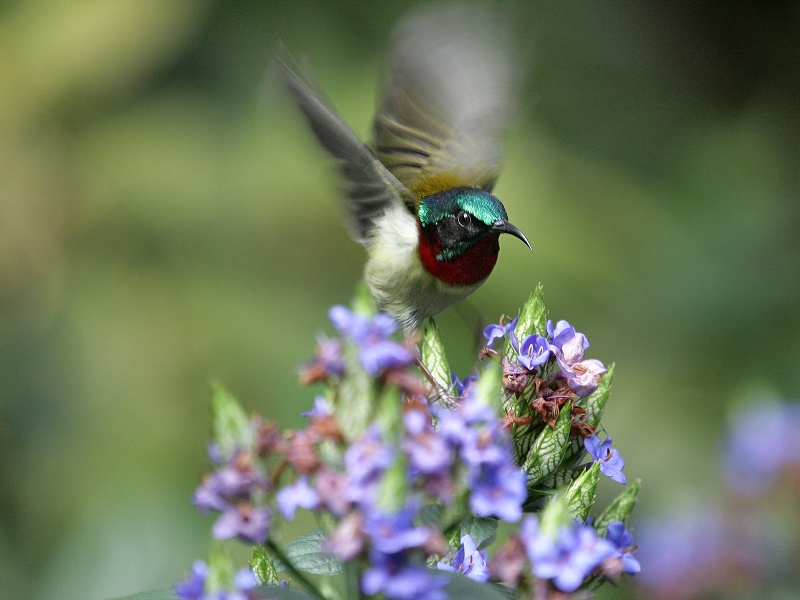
(547, 451)
(562, 477)
(480, 529)
(461, 587)
(232, 428)
(619, 509)
(430, 515)
(356, 396)
(595, 403)
(433, 355)
(388, 414)
(267, 592)
(306, 554)
(264, 567)
(533, 316)
(554, 517)
(532, 319)
(572, 456)
(393, 490)
(489, 387)
(579, 496)
(221, 570)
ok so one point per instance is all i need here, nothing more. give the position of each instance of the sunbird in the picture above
(420, 200)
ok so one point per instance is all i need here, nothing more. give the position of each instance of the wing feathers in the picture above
(371, 188)
(447, 101)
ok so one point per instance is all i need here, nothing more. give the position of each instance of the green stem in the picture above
(352, 581)
(296, 573)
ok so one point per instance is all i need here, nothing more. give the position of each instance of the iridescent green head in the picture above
(477, 203)
(455, 220)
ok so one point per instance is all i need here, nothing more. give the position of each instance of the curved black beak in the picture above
(506, 227)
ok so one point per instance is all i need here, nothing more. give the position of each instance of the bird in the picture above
(419, 198)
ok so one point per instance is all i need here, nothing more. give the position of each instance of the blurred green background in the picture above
(166, 219)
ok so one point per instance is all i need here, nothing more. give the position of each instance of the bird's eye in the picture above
(464, 219)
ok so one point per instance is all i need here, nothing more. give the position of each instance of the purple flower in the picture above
(329, 356)
(566, 340)
(382, 355)
(348, 323)
(622, 539)
(611, 463)
(469, 561)
(320, 408)
(496, 484)
(533, 352)
(398, 578)
(193, 587)
(328, 362)
(238, 479)
(347, 540)
(377, 353)
(365, 461)
(497, 490)
(332, 490)
(245, 579)
(494, 332)
(481, 439)
(567, 560)
(461, 386)
(568, 347)
(249, 523)
(457, 426)
(381, 326)
(488, 445)
(394, 532)
(214, 453)
(207, 497)
(583, 377)
(428, 452)
(297, 494)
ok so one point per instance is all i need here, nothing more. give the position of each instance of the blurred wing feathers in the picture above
(371, 188)
(447, 101)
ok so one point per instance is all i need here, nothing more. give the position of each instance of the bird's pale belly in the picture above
(397, 280)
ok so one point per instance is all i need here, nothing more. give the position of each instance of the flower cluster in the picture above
(408, 471)
(377, 352)
(234, 490)
(575, 552)
(474, 433)
(547, 374)
(548, 370)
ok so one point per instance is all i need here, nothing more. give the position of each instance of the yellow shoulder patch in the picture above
(438, 183)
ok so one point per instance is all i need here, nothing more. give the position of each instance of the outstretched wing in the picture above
(447, 100)
(370, 187)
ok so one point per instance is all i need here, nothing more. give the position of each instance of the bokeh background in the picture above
(166, 219)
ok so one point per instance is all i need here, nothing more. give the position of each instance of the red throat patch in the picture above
(469, 268)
